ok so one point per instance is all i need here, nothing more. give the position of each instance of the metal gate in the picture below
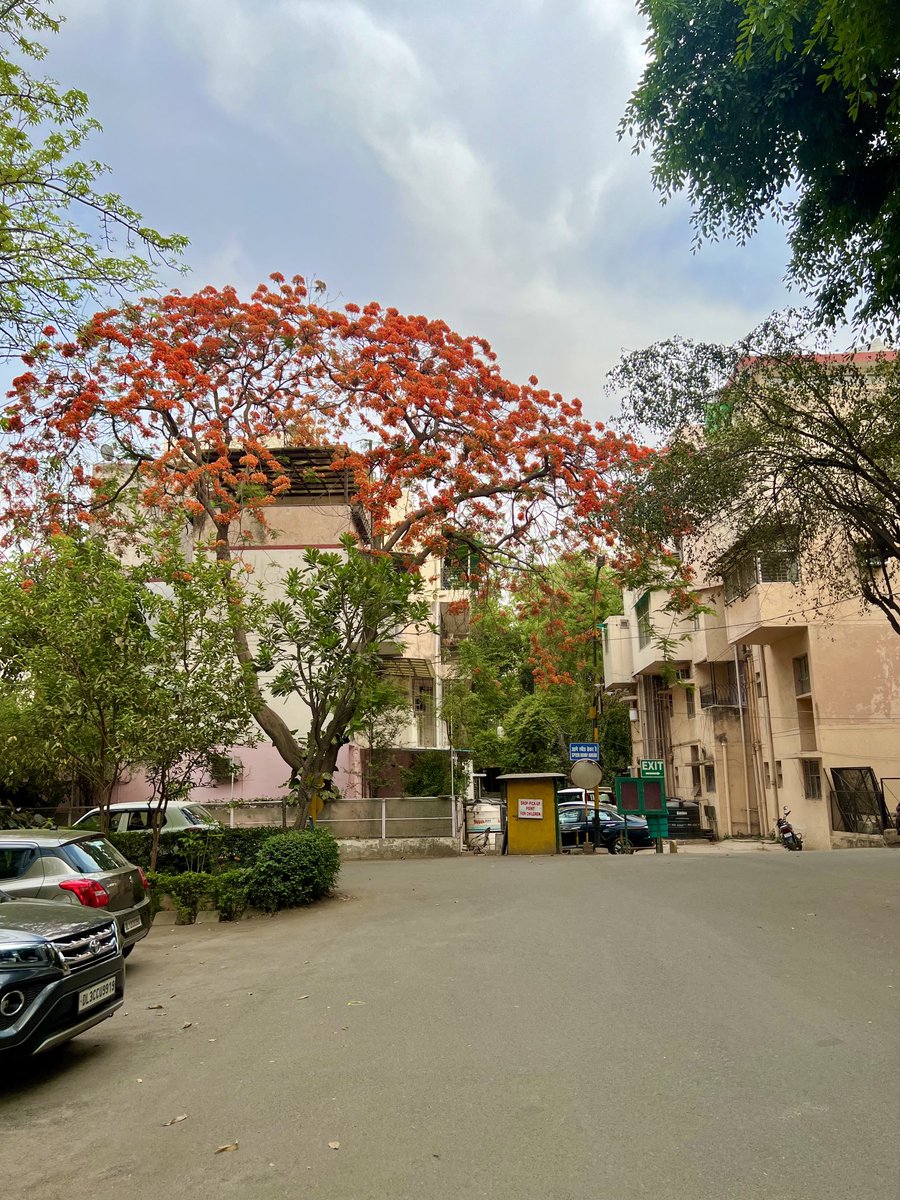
(857, 803)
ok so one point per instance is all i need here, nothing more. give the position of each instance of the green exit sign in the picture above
(652, 768)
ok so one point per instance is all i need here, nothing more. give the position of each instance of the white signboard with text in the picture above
(531, 810)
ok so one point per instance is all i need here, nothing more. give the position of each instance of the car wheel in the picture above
(127, 950)
(613, 846)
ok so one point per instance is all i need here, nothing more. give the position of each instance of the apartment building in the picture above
(769, 699)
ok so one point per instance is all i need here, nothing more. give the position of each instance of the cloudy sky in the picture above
(458, 159)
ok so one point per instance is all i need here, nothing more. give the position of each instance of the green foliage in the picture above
(532, 740)
(524, 679)
(429, 774)
(736, 104)
(230, 891)
(321, 642)
(771, 448)
(100, 669)
(294, 869)
(188, 889)
(50, 264)
(209, 850)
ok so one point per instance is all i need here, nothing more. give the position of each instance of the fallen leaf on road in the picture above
(210, 1039)
(139, 1081)
(187, 1024)
(334, 1145)
(306, 997)
(175, 1121)
(154, 1006)
(351, 1002)
(224, 1149)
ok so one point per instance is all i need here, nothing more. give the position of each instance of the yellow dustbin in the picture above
(531, 826)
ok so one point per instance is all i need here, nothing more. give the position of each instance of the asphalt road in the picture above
(557, 1029)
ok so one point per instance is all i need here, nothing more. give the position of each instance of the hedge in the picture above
(293, 869)
(289, 869)
(209, 850)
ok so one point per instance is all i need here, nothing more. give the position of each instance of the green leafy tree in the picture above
(58, 229)
(321, 642)
(769, 446)
(429, 775)
(198, 694)
(384, 713)
(789, 108)
(526, 679)
(99, 672)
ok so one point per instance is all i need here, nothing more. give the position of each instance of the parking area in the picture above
(679, 1026)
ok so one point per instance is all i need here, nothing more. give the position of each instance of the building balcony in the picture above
(722, 695)
(766, 614)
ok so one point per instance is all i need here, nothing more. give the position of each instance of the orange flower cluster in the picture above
(197, 393)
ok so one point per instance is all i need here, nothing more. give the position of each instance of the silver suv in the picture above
(81, 868)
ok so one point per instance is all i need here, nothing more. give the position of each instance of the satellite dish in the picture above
(107, 453)
(586, 773)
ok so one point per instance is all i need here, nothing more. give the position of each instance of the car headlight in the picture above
(33, 955)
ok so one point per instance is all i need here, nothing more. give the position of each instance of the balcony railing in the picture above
(772, 566)
(722, 695)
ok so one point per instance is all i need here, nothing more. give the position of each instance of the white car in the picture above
(139, 817)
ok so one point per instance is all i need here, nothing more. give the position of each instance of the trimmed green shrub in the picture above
(231, 892)
(197, 849)
(293, 869)
(187, 889)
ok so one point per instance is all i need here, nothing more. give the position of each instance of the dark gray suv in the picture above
(61, 972)
(80, 868)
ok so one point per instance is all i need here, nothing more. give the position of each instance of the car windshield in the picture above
(93, 855)
(196, 814)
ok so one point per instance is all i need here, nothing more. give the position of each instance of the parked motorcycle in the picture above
(791, 838)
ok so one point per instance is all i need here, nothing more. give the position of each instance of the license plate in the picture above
(93, 995)
(132, 923)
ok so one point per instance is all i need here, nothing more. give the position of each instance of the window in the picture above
(710, 778)
(93, 855)
(812, 779)
(645, 629)
(767, 771)
(138, 820)
(690, 703)
(779, 774)
(15, 861)
(771, 566)
(196, 814)
(802, 686)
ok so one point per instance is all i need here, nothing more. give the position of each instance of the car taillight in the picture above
(144, 881)
(89, 892)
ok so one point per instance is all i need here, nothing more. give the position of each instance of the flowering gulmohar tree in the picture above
(193, 396)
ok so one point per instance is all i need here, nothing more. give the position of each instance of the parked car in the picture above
(79, 868)
(61, 972)
(129, 817)
(576, 825)
(576, 795)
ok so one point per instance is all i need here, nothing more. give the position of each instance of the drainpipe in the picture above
(727, 785)
(765, 683)
(756, 744)
(738, 676)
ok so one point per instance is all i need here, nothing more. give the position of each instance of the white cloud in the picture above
(523, 217)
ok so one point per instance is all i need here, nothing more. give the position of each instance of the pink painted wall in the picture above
(265, 775)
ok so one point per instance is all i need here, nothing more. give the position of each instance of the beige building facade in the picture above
(317, 512)
(770, 699)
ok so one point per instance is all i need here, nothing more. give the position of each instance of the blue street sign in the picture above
(584, 750)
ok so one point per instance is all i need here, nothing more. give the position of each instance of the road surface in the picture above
(683, 1028)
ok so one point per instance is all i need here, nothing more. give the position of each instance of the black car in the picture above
(576, 826)
(61, 972)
